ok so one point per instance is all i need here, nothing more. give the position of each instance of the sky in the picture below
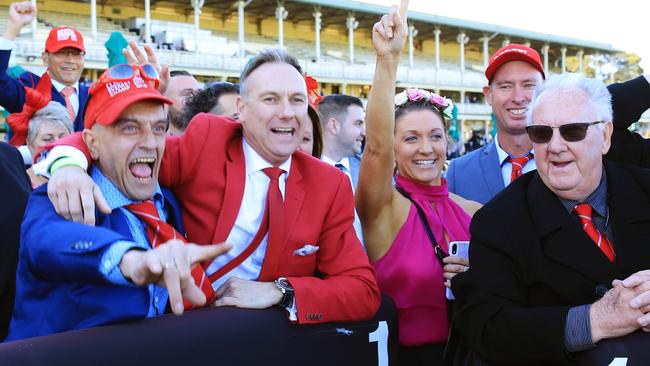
(621, 23)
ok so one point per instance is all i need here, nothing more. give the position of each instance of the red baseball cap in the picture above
(63, 37)
(109, 99)
(514, 52)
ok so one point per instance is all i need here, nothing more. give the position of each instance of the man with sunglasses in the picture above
(64, 59)
(133, 263)
(549, 253)
(513, 74)
(289, 216)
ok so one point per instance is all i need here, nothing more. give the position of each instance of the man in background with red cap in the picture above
(513, 74)
(63, 56)
(74, 276)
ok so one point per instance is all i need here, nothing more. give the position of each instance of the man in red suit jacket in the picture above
(215, 170)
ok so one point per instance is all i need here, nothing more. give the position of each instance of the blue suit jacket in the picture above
(12, 97)
(59, 285)
(477, 175)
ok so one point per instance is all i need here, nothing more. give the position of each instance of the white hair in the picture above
(595, 90)
(53, 112)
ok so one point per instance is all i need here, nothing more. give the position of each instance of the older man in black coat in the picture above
(14, 189)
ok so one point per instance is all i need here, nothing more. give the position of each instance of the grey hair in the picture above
(595, 90)
(53, 112)
(271, 55)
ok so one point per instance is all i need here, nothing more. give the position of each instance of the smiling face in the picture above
(307, 143)
(420, 146)
(572, 170)
(65, 65)
(352, 131)
(274, 111)
(509, 94)
(129, 151)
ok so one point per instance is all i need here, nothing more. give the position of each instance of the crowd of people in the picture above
(152, 195)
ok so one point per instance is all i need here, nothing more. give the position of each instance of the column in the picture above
(281, 15)
(506, 41)
(436, 33)
(486, 50)
(352, 24)
(462, 40)
(563, 50)
(241, 4)
(412, 33)
(580, 55)
(317, 28)
(545, 48)
(147, 20)
(34, 22)
(93, 19)
(197, 5)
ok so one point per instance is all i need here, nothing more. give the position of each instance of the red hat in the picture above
(63, 37)
(109, 99)
(513, 52)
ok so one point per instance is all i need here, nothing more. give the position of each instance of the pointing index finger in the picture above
(403, 9)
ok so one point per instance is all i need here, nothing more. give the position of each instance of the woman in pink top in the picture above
(409, 130)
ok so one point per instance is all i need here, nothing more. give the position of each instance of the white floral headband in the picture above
(444, 105)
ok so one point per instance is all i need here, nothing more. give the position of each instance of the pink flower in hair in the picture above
(437, 100)
(415, 95)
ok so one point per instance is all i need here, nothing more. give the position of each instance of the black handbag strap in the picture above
(440, 253)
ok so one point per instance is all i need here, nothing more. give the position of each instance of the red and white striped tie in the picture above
(518, 164)
(584, 212)
(160, 232)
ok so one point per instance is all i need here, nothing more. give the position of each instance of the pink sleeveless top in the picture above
(411, 274)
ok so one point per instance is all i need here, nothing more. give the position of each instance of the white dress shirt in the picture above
(506, 166)
(346, 169)
(249, 219)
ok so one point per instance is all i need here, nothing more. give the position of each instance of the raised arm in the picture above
(374, 191)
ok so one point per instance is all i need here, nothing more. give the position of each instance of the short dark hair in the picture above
(271, 55)
(336, 106)
(204, 100)
(180, 73)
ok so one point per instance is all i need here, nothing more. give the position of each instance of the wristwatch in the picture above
(287, 292)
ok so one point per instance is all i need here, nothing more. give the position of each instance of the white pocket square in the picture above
(306, 250)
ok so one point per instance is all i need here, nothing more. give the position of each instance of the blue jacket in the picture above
(12, 97)
(477, 175)
(58, 284)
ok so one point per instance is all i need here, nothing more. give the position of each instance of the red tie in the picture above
(583, 211)
(273, 212)
(159, 232)
(67, 92)
(518, 164)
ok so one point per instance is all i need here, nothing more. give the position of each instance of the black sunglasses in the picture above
(570, 132)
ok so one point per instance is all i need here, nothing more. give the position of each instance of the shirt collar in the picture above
(502, 154)
(345, 161)
(59, 86)
(597, 199)
(255, 163)
(114, 197)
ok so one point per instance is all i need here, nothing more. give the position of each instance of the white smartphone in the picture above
(461, 249)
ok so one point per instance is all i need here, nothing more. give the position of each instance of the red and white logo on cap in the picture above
(65, 34)
(119, 87)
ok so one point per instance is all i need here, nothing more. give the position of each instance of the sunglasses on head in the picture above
(124, 72)
(570, 132)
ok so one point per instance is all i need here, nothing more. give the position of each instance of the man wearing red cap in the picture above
(64, 58)
(513, 74)
(73, 276)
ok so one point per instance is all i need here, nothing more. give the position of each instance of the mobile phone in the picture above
(461, 249)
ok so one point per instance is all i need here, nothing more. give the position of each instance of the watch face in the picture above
(284, 283)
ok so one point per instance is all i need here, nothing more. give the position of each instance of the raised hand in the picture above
(134, 55)
(20, 14)
(389, 34)
(170, 265)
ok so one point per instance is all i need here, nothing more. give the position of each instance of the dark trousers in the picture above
(425, 355)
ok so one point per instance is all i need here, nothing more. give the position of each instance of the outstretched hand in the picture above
(20, 14)
(135, 56)
(389, 34)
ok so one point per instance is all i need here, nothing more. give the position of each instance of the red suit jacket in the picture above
(205, 168)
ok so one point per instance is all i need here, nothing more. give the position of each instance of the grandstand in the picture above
(213, 39)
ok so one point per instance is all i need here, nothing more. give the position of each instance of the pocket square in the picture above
(306, 250)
